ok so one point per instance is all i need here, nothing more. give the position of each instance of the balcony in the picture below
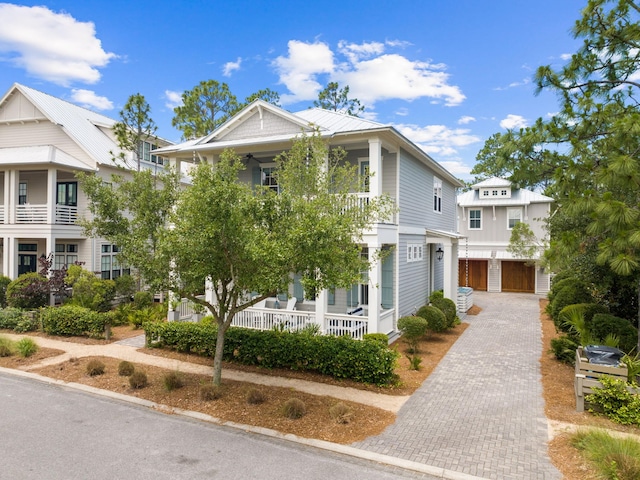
(37, 214)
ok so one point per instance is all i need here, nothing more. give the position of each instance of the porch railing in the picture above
(269, 318)
(361, 199)
(351, 325)
(2, 213)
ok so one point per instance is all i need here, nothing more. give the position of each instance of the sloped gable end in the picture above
(17, 107)
(262, 124)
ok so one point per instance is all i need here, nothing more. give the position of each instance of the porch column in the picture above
(6, 248)
(449, 259)
(11, 251)
(52, 177)
(321, 308)
(14, 180)
(375, 167)
(7, 196)
(375, 297)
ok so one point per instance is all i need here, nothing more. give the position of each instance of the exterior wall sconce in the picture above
(439, 254)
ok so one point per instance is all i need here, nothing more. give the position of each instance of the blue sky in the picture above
(448, 74)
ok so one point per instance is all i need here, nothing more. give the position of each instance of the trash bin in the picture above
(602, 355)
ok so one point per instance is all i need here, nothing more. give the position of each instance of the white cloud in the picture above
(231, 67)
(513, 121)
(438, 140)
(172, 99)
(466, 119)
(371, 74)
(456, 167)
(51, 46)
(89, 99)
(565, 56)
(299, 70)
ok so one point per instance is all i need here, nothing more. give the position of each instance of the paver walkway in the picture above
(481, 411)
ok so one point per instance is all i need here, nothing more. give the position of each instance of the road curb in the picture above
(321, 444)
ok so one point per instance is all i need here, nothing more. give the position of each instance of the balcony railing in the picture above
(33, 213)
(66, 215)
(360, 200)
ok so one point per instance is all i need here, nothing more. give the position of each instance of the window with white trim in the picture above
(437, 195)
(514, 216)
(110, 267)
(66, 254)
(415, 252)
(144, 152)
(269, 178)
(475, 219)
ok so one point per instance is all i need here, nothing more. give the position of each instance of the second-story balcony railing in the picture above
(32, 213)
(360, 200)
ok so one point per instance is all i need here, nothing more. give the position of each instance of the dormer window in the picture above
(494, 193)
(485, 193)
(503, 193)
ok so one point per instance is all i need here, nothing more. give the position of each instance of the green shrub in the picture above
(381, 338)
(576, 292)
(604, 324)
(155, 313)
(436, 295)
(95, 367)
(26, 347)
(28, 323)
(559, 284)
(143, 300)
(210, 392)
(28, 291)
(448, 307)
(72, 320)
(339, 357)
(255, 396)
(436, 319)
(138, 379)
(413, 328)
(125, 369)
(172, 381)
(615, 458)
(614, 401)
(294, 408)
(564, 349)
(7, 347)
(4, 283)
(10, 317)
(89, 291)
(125, 286)
(341, 413)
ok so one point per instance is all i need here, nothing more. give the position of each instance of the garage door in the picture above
(518, 277)
(477, 274)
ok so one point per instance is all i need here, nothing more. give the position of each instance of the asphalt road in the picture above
(55, 433)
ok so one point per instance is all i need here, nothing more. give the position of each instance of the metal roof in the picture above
(519, 196)
(81, 124)
(337, 122)
(38, 155)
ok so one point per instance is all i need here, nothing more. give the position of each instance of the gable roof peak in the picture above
(492, 182)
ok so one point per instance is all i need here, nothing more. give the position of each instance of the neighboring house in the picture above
(44, 142)
(486, 216)
(420, 236)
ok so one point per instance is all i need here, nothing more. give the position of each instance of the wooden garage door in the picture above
(477, 274)
(518, 277)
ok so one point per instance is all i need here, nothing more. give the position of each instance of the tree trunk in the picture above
(638, 345)
(217, 358)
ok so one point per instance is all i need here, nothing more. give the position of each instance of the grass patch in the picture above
(7, 347)
(95, 367)
(615, 458)
(26, 347)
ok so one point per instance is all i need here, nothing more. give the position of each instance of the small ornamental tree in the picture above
(29, 290)
(237, 238)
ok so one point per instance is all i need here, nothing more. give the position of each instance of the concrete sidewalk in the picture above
(481, 411)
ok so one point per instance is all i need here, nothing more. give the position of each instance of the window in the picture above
(22, 193)
(364, 174)
(437, 195)
(485, 193)
(358, 294)
(67, 194)
(110, 267)
(503, 193)
(144, 152)
(475, 219)
(514, 216)
(66, 254)
(415, 252)
(269, 178)
(494, 193)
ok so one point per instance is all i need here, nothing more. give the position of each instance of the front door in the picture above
(27, 263)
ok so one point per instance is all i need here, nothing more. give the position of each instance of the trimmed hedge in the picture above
(603, 324)
(571, 294)
(72, 320)
(10, 318)
(339, 357)
(436, 319)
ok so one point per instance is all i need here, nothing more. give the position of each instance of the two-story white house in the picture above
(421, 236)
(486, 216)
(44, 142)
